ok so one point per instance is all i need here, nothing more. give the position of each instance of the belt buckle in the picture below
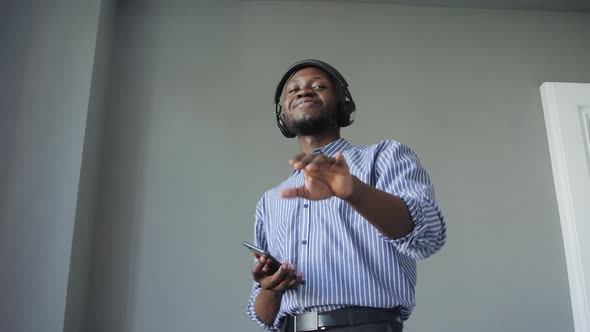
(306, 322)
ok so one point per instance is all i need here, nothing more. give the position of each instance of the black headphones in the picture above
(346, 109)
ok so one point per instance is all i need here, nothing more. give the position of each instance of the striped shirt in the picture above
(345, 261)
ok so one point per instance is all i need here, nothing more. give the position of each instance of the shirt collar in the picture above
(330, 149)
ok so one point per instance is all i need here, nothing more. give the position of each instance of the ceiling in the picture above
(546, 5)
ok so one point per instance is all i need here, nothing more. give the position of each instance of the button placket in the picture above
(304, 231)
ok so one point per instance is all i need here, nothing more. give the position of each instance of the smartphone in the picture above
(275, 264)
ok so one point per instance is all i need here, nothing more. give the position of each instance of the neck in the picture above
(309, 143)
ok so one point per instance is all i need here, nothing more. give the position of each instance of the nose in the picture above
(305, 92)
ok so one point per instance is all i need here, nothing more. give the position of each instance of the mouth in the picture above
(304, 103)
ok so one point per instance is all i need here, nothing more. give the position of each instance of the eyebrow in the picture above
(297, 80)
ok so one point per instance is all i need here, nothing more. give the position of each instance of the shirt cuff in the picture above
(404, 243)
(252, 312)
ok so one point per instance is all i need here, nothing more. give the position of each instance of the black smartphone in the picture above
(275, 264)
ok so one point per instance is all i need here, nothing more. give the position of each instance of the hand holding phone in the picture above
(269, 279)
(274, 263)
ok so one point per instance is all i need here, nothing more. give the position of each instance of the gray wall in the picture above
(191, 145)
(175, 130)
(47, 57)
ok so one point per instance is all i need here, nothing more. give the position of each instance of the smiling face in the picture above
(311, 102)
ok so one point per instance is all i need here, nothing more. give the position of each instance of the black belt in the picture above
(352, 316)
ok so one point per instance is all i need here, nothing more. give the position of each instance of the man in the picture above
(349, 223)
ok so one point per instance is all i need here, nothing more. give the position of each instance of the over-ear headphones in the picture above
(346, 109)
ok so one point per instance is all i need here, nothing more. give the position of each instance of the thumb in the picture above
(339, 158)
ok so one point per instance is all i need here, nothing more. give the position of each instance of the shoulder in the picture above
(392, 145)
(386, 147)
(393, 155)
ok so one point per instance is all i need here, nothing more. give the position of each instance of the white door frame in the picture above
(578, 293)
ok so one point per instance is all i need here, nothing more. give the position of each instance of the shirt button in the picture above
(306, 205)
(304, 242)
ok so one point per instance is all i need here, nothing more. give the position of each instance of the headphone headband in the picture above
(308, 63)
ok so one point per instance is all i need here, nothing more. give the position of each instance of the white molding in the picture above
(585, 119)
(575, 273)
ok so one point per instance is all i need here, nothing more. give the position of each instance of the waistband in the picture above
(350, 316)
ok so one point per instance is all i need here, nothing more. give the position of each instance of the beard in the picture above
(308, 126)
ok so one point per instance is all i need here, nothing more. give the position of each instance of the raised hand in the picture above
(324, 177)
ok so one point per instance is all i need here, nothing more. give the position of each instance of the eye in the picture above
(319, 87)
(293, 90)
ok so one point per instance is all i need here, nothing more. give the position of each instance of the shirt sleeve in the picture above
(399, 172)
(260, 241)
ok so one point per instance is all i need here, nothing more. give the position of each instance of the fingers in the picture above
(301, 160)
(297, 158)
(284, 278)
(296, 282)
(294, 192)
(289, 275)
(263, 267)
(280, 279)
(269, 267)
(292, 280)
(313, 162)
(339, 158)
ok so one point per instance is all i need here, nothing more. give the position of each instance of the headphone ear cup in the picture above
(345, 113)
(283, 127)
(341, 117)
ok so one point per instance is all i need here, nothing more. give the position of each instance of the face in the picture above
(310, 102)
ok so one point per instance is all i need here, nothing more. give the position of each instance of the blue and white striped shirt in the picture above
(345, 261)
